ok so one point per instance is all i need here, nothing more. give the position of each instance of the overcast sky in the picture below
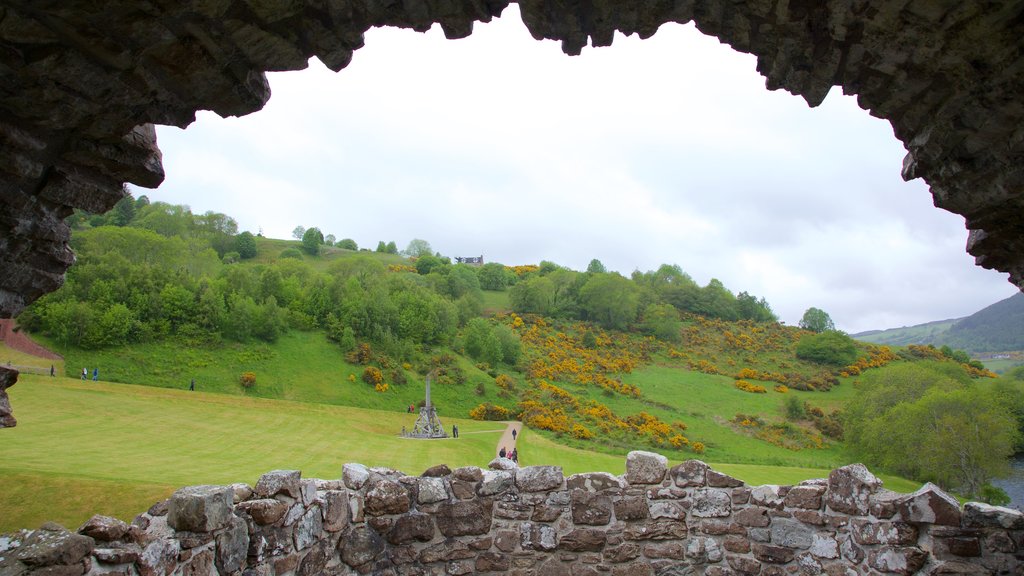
(667, 150)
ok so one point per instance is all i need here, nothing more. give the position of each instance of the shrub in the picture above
(248, 379)
(794, 408)
(291, 253)
(488, 411)
(480, 389)
(833, 348)
(372, 376)
(381, 387)
(231, 257)
(748, 387)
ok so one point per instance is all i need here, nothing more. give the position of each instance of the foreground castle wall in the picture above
(688, 519)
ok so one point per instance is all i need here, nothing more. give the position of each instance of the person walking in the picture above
(192, 385)
(85, 373)
(514, 433)
(95, 374)
(455, 431)
(502, 453)
(51, 370)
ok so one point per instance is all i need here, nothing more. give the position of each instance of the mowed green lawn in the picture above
(84, 447)
(148, 441)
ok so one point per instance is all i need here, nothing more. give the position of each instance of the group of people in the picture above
(512, 455)
(85, 373)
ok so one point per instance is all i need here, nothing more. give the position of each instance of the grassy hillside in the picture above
(269, 251)
(928, 333)
(94, 447)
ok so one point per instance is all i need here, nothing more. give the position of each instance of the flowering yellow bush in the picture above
(488, 411)
(748, 387)
(248, 379)
(382, 387)
(372, 375)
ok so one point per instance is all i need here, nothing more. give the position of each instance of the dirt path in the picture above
(507, 440)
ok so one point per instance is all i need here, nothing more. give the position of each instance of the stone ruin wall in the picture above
(687, 520)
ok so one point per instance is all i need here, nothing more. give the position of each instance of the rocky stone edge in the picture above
(687, 519)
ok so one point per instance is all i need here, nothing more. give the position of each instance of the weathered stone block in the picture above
(200, 508)
(754, 516)
(264, 512)
(492, 562)
(438, 471)
(806, 497)
(494, 482)
(871, 532)
(412, 527)
(711, 503)
(594, 482)
(931, 505)
(645, 467)
(849, 489)
(354, 475)
(631, 508)
(773, 554)
(309, 529)
(689, 473)
(656, 530)
(288, 482)
(791, 533)
(583, 540)
(591, 508)
(897, 560)
(464, 518)
(361, 546)
(431, 489)
(232, 547)
(702, 550)
(537, 537)
(539, 478)
(980, 515)
(104, 528)
(53, 545)
(387, 497)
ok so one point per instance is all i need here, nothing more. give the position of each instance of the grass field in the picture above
(84, 447)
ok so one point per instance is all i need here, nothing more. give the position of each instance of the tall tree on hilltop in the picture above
(312, 239)
(298, 232)
(816, 320)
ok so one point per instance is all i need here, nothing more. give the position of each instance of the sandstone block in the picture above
(931, 505)
(631, 508)
(806, 497)
(336, 510)
(871, 532)
(583, 540)
(791, 533)
(200, 508)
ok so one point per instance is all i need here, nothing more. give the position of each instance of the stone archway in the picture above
(84, 82)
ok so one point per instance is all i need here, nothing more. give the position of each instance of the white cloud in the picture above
(667, 150)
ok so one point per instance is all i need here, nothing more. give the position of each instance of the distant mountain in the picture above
(997, 328)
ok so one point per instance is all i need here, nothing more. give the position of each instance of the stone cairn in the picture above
(688, 519)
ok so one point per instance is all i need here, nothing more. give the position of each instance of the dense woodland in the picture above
(563, 357)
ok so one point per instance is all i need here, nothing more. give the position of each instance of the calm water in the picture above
(1014, 484)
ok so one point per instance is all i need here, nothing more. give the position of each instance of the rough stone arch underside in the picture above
(83, 82)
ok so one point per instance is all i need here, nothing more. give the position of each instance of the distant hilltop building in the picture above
(473, 260)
